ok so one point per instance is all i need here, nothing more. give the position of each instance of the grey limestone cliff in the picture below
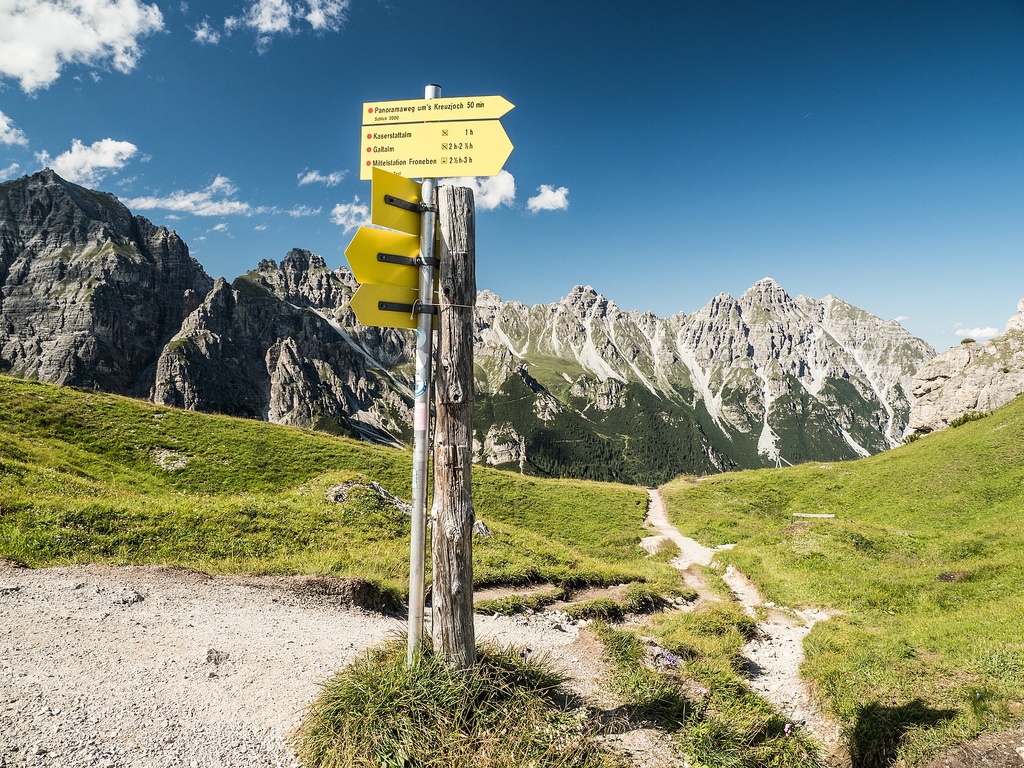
(974, 376)
(89, 293)
(280, 344)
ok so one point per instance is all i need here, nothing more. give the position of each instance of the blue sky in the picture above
(664, 151)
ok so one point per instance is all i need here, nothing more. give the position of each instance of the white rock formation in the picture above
(977, 376)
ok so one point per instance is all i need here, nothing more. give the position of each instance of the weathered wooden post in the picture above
(452, 543)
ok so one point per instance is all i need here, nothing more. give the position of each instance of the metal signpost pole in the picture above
(421, 411)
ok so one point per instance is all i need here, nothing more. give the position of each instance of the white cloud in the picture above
(274, 17)
(9, 171)
(489, 191)
(549, 199)
(222, 227)
(977, 333)
(269, 17)
(351, 215)
(38, 38)
(261, 227)
(10, 134)
(205, 34)
(212, 201)
(88, 165)
(901, 318)
(315, 177)
(326, 14)
(301, 211)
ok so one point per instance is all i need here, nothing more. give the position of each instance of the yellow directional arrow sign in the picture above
(382, 113)
(394, 202)
(384, 258)
(387, 306)
(434, 150)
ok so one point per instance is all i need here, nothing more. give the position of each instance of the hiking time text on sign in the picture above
(425, 110)
(435, 138)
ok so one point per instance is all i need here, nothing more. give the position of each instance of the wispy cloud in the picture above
(38, 38)
(315, 177)
(11, 134)
(351, 215)
(9, 171)
(901, 318)
(222, 227)
(549, 199)
(205, 34)
(89, 164)
(215, 200)
(977, 333)
(274, 17)
(302, 211)
(488, 191)
(326, 14)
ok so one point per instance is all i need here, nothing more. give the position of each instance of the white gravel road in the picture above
(155, 668)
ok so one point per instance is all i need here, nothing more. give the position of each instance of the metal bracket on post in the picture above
(416, 308)
(408, 261)
(406, 205)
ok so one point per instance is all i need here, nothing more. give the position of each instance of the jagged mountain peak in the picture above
(52, 209)
(767, 293)
(89, 293)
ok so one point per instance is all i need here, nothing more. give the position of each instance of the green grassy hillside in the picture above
(922, 566)
(88, 477)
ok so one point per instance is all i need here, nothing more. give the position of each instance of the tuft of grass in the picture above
(513, 604)
(505, 712)
(641, 598)
(920, 566)
(600, 608)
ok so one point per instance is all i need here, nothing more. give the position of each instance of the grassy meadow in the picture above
(921, 566)
(91, 477)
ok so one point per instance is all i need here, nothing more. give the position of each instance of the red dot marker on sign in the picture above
(370, 110)
(367, 149)
(369, 135)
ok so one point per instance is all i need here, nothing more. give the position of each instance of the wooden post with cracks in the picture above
(452, 543)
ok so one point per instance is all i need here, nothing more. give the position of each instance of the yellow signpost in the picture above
(384, 258)
(382, 113)
(427, 139)
(385, 306)
(434, 150)
(395, 202)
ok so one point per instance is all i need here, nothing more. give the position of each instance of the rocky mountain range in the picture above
(93, 296)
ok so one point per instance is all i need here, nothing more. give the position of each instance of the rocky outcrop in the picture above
(89, 294)
(974, 376)
(269, 347)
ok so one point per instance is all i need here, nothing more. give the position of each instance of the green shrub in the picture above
(967, 417)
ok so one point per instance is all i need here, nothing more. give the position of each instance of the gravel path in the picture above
(776, 653)
(151, 667)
